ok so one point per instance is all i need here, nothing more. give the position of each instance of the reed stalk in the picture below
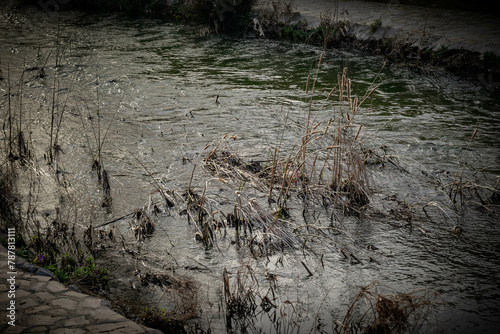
(54, 103)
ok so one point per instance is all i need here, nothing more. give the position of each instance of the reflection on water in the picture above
(153, 87)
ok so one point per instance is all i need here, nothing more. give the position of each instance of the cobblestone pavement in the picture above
(44, 305)
(426, 27)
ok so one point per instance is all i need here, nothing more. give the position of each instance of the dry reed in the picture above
(240, 298)
(325, 163)
(373, 312)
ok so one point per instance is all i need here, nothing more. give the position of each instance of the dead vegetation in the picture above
(179, 295)
(468, 186)
(325, 165)
(246, 297)
(143, 224)
(52, 226)
(278, 20)
(374, 312)
(240, 299)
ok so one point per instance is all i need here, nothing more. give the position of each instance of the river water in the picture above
(161, 92)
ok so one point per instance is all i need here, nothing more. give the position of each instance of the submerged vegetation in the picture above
(374, 312)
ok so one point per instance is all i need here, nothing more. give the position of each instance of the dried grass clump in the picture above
(325, 164)
(230, 165)
(263, 231)
(371, 312)
(379, 156)
(267, 231)
(200, 212)
(143, 224)
(240, 298)
(180, 297)
(468, 188)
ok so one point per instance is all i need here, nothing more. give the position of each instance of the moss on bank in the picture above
(344, 35)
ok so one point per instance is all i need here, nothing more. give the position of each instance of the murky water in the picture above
(156, 85)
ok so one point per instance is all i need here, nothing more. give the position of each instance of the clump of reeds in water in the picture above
(266, 230)
(180, 298)
(240, 302)
(199, 210)
(468, 188)
(143, 224)
(325, 164)
(373, 312)
(261, 230)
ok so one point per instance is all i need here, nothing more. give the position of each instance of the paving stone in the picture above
(38, 329)
(22, 283)
(66, 303)
(40, 320)
(74, 294)
(105, 328)
(55, 286)
(15, 329)
(79, 321)
(4, 299)
(68, 331)
(45, 272)
(75, 288)
(43, 278)
(28, 302)
(135, 328)
(128, 327)
(58, 312)
(107, 315)
(90, 302)
(106, 303)
(38, 286)
(20, 293)
(128, 331)
(27, 267)
(43, 295)
(38, 309)
(117, 310)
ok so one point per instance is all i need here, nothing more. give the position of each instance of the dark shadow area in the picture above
(480, 6)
